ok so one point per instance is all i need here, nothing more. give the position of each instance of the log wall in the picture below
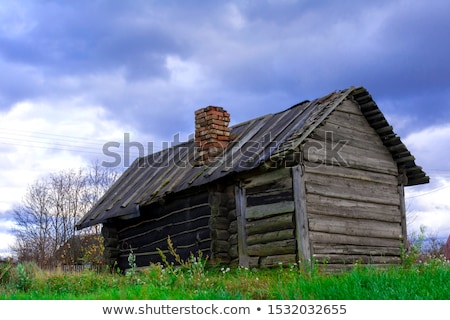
(352, 194)
(221, 202)
(262, 233)
(185, 219)
(111, 244)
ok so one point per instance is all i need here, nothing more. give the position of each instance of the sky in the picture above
(76, 75)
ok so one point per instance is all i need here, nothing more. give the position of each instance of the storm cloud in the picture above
(78, 74)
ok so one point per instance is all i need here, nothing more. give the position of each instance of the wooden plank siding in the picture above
(352, 196)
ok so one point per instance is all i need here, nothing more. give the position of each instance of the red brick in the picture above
(214, 108)
(215, 113)
(212, 134)
(197, 112)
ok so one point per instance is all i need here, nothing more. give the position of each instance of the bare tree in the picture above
(66, 188)
(98, 179)
(33, 221)
(50, 209)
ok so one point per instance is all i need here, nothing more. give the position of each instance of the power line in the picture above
(46, 135)
(51, 141)
(6, 132)
(73, 148)
(428, 192)
(66, 148)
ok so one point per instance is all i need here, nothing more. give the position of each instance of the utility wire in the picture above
(56, 142)
(428, 192)
(42, 135)
(66, 148)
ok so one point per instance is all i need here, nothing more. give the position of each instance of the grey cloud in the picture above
(284, 52)
(6, 217)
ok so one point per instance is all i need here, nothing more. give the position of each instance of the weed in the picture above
(194, 266)
(23, 280)
(132, 273)
(5, 272)
(409, 256)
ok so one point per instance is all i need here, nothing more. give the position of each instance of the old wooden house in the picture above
(321, 180)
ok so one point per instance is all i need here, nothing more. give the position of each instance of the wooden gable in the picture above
(352, 195)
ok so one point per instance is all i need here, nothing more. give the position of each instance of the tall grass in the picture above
(193, 279)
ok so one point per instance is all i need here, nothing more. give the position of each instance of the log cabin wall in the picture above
(262, 233)
(185, 219)
(221, 202)
(352, 195)
(111, 244)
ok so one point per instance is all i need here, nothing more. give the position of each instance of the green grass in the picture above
(194, 280)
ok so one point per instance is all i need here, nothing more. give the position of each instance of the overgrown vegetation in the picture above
(194, 279)
(194, 267)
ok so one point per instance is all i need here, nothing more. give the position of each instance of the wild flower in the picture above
(224, 270)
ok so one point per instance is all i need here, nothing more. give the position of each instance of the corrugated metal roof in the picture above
(274, 136)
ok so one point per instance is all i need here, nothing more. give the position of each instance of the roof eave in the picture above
(400, 153)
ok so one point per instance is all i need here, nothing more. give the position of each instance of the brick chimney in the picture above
(212, 134)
